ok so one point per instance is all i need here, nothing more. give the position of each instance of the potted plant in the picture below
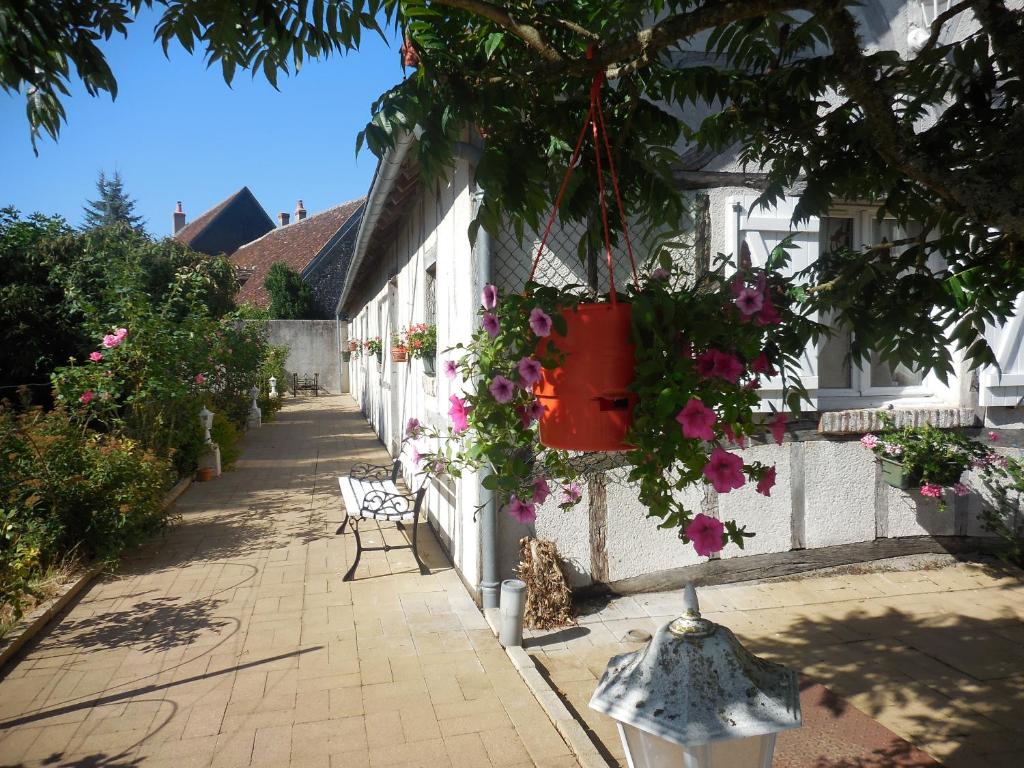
(346, 356)
(421, 339)
(374, 347)
(926, 458)
(353, 345)
(399, 351)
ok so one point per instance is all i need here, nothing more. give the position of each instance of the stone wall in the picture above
(312, 348)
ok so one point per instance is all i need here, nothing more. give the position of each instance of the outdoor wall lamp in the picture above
(696, 698)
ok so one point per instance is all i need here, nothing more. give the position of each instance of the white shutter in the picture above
(761, 230)
(1005, 385)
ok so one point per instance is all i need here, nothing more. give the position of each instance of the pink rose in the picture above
(86, 397)
(96, 356)
(696, 420)
(706, 534)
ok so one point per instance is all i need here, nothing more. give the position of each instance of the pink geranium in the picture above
(541, 490)
(540, 322)
(696, 420)
(931, 490)
(95, 356)
(450, 369)
(571, 494)
(86, 397)
(767, 482)
(458, 413)
(960, 489)
(706, 534)
(529, 371)
(491, 325)
(777, 426)
(521, 511)
(724, 470)
(489, 297)
(869, 441)
(502, 389)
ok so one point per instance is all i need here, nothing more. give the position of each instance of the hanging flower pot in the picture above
(895, 474)
(586, 400)
(353, 346)
(399, 355)
(429, 364)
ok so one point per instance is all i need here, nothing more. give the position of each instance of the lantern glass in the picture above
(645, 750)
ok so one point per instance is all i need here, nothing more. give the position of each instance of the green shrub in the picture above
(226, 436)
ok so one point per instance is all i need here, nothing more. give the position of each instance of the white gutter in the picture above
(383, 180)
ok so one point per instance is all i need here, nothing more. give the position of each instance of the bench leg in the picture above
(359, 551)
(424, 571)
(341, 528)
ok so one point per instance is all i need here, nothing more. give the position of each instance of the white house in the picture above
(413, 262)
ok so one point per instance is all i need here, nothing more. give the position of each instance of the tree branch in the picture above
(940, 22)
(528, 33)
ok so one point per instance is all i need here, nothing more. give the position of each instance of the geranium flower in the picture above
(489, 297)
(777, 427)
(749, 301)
(541, 490)
(762, 365)
(412, 427)
(571, 494)
(200, 378)
(706, 534)
(491, 325)
(529, 371)
(458, 413)
(502, 389)
(86, 397)
(540, 322)
(519, 510)
(450, 369)
(767, 482)
(697, 419)
(724, 470)
(960, 489)
(931, 490)
(95, 356)
(892, 449)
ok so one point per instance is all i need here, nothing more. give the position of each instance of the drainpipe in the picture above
(490, 584)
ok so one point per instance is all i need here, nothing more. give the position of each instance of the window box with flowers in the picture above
(421, 340)
(374, 347)
(927, 458)
(399, 351)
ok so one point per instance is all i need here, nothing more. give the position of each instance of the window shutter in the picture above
(1005, 385)
(756, 231)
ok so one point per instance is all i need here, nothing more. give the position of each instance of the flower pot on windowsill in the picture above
(588, 406)
(429, 364)
(399, 355)
(895, 474)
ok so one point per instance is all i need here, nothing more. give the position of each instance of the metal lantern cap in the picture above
(694, 683)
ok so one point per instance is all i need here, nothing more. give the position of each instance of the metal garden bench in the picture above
(370, 492)
(306, 383)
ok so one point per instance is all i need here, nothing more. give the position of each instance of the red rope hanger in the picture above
(595, 122)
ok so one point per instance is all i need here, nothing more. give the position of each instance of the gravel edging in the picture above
(568, 727)
(32, 624)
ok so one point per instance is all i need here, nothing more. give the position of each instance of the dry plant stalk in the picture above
(548, 597)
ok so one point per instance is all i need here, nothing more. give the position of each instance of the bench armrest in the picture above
(363, 471)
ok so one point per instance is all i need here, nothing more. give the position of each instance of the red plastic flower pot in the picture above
(588, 406)
(399, 355)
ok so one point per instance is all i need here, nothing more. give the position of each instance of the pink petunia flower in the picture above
(931, 490)
(869, 441)
(200, 378)
(458, 413)
(95, 356)
(491, 325)
(86, 397)
(529, 371)
(533, 412)
(767, 482)
(732, 437)
(502, 389)
(696, 420)
(571, 494)
(728, 367)
(777, 427)
(521, 511)
(960, 489)
(415, 455)
(541, 490)
(412, 427)
(705, 363)
(724, 470)
(489, 297)
(540, 322)
(768, 314)
(762, 365)
(450, 369)
(749, 301)
(660, 274)
(706, 534)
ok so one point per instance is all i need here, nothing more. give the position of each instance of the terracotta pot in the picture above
(204, 474)
(399, 355)
(353, 346)
(588, 404)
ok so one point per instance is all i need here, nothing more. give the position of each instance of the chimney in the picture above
(300, 212)
(179, 218)
(282, 219)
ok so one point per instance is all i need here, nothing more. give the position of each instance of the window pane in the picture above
(834, 354)
(882, 375)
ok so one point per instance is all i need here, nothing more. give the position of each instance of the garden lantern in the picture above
(273, 386)
(696, 698)
(206, 419)
(254, 393)
(255, 414)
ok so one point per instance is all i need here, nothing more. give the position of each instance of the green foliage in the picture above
(226, 435)
(374, 346)
(1004, 478)
(929, 455)
(290, 297)
(420, 339)
(113, 207)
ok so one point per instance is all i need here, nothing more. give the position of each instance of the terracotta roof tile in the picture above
(296, 244)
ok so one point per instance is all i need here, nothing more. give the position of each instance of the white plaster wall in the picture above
(839, 493)
(770, 518)
(569, 528)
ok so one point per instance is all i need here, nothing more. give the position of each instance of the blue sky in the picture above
(177, 132)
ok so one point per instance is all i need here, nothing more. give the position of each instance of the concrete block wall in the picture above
(312, 348)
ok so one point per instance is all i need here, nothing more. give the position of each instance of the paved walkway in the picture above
(232, 641)
(935, 655)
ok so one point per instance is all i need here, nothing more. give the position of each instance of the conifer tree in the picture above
(113, 206)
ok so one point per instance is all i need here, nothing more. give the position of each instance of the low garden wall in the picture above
(312, 348)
